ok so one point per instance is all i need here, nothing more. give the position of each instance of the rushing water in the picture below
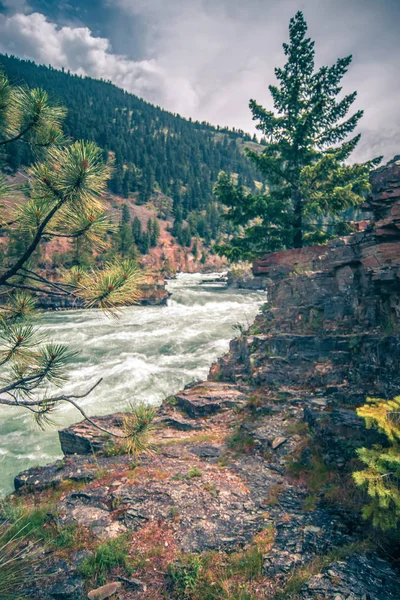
(143, 356)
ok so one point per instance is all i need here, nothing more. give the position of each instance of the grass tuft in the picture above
(106, 557)
(184, 575)
(17, 559)
(194, 472)
(240, 442)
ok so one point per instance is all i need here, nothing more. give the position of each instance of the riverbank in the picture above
(229, 493)
(245, 490)
(144, 354)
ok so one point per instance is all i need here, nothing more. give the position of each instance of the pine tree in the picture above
(381, 477)
(64, 200)
(126, 184)
(125, 217)
(304, 159)
(125, 233)
(177, 232)
(155, 233)
(137, 231)
(150, 231)
(145, 242)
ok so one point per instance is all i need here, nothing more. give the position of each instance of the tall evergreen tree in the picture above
(195, 250)
(303, 161)
(125, 217)
(146, 239)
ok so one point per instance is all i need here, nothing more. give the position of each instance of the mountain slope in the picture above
(154, 149)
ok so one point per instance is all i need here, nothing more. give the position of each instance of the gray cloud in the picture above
(33, 36)
(205, 58)
(228, 49)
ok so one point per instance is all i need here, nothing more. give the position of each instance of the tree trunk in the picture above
(298, 222)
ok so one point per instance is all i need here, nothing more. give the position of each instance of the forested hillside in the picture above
(154, 149)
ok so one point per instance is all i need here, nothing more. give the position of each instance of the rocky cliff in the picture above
(246, 492)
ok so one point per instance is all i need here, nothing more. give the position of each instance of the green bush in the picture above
(194, 472)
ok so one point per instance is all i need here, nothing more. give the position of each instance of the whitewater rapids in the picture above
(145, 355)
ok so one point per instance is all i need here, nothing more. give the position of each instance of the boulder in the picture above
(208, 398)
(105, 591)
(41, 478)
(83, 438)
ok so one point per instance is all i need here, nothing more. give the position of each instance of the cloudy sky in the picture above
(206, 58)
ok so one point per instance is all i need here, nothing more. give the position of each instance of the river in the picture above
(145, 355)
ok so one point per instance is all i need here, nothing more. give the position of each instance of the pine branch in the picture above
(21, 286)
(70, 236)
(22, 384)
(19, 136)
(35, 276)
(33, 245)
(34, 406)
(27, 403)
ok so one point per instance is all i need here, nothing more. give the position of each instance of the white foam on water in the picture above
(145, 355)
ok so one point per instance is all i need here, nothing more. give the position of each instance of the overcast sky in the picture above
(206, 58)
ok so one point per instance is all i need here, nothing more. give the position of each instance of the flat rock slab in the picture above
(209, 397)
(278, 441)
(72, 468)
(205, 507)
(200, 400)
(41, 478)
(67, 589)
(178, 422)
(83, 438)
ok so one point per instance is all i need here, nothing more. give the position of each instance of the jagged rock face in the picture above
(330, 331)
(206, 400)
(340, 432)
(352, 283)
(344, 367)
(386, 193)
(83, 438)
(333, 311)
